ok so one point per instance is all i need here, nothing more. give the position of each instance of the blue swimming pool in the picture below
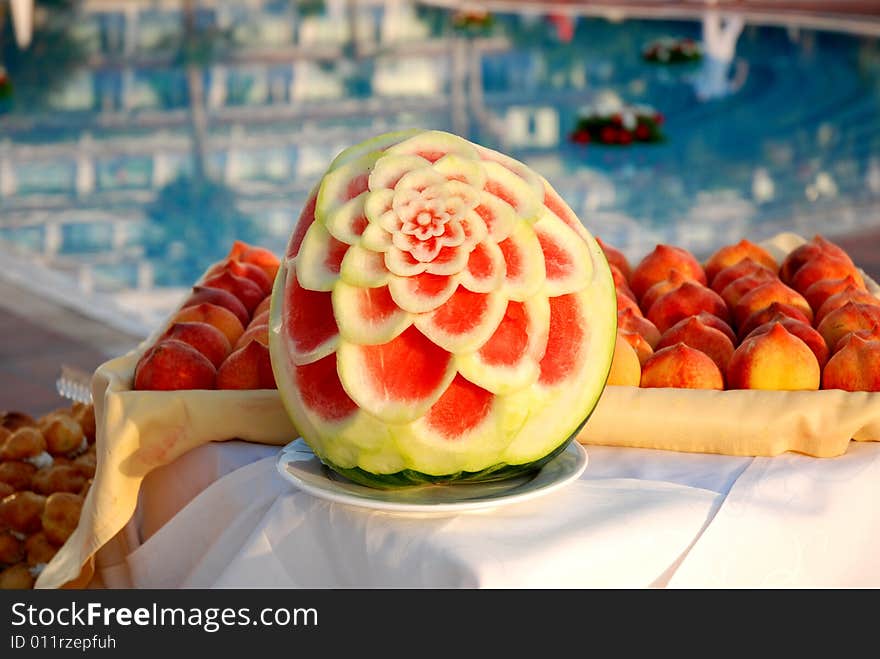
(138, 140)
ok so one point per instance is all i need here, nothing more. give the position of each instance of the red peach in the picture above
(818, 245)
(242, 269)
(620, 282)
(657, 265)
(869, 334)
(247, 368)
(220, 317)
(744, 268)
(259, 256)
(244, 289)
(824, 267)
(661, 288)
(855, 367)
(688, 299)
(171, 365)
(628, 321)
(616, 258)
(848, 294)
(732, 254)
(639, 344)
(801, 330)
(768, 313)
(851, 317)
(695, 334)
(626, 303)
(263, 306)
(735, 290)
(259, 319)
(681, 367)
(254, 333)
(221, 298)
(205, 338)
(817, 293)
(765, 295)
(775, 360)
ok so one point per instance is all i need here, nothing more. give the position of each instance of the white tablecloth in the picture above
(220, 516)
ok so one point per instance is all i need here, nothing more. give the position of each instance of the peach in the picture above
(260, 319)
(737, 271)
(264, 305)
(765, 295)
(254, 333)
(247, 368)
(639, 344)
(258, 256)
(848, 294)
(626, 370)
(616, 258)
(171, 365)
(657, 265)
(620, 282)
(714, 322)
(732, 254)
(688, 299)
(661, 288)
(695, 334)
(851, 317)
(220, 317)
(855, 367)
(736, 289)
(776, 359)
(242, 269)
(801, 330)
(626, 303)
(817, 293)
(824, 267)
(818, 245)
(221, 298)
(870, 334)
(244, 289)
(682, 367)
(765, 315)
(628, 321)
(205, 338)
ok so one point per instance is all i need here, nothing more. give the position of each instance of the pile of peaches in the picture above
(219, 338)
(740, 320)
(46, 468)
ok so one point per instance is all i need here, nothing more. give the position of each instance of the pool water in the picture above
(137, 141)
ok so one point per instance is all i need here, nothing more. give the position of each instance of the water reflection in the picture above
(141, 136)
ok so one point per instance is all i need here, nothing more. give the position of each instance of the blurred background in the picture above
(139, 138)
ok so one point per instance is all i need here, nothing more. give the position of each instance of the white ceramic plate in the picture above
(299, 465)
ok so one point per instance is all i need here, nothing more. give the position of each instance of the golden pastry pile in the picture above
(46, 469)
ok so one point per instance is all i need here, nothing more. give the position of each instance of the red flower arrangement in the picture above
(624, 126)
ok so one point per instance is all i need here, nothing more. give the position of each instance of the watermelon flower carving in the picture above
(441, 314)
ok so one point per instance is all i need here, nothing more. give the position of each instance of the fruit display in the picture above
(441, 315)
(218, 339)
(804, 323)
(46, 468)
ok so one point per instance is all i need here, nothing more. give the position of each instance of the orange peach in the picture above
(737, 271)
(626, 370)
(776, 359)
(681, 367)
(628, 321)
(639, 344)
(824, 267)
(242, 269)
(220, 317)
(657, 265)
(732, 254)
(855, 367)
(801, 330)
(205, 338)
(254, 333)
(247, 368)
(264, 306)
(817, 293)
(765, 295)
(259, 256)
(171, 365)
(736, 289)
(616, 258)
(620, 282)
(815, 247)
(661, 288)
(695, 334)
(626, 303)
(848, 294)
(221, 298)
(714, 322)
(765, 315)
(869, 334)
(249, 293)
(688, 299)
(851, 317)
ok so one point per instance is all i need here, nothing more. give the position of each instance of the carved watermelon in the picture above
(441, 315)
